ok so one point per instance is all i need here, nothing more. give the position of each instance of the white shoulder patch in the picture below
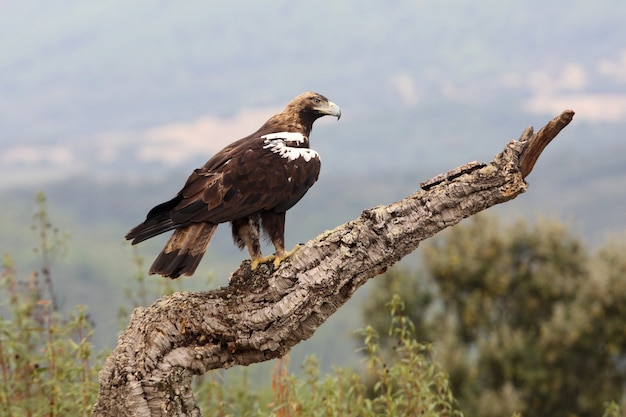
(277, 143)
(285, 136)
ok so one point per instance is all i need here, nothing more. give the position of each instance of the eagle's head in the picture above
(311, 106)
(300, 113)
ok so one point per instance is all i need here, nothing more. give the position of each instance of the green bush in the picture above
(524, 318)
(405, 382)
(47, 366)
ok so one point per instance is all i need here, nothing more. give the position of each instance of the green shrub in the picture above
(47, 366)
(524, 317)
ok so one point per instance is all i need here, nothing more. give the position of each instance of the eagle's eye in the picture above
(316, 100)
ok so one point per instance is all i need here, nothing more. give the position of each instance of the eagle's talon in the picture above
(262, 260)
(279, 259)
(254, 264)
(273, 258)
(294, 250)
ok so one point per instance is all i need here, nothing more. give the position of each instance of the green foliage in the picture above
(524, 318)
(407, 381)
(46, 361)
(52, 243)
(48, 367)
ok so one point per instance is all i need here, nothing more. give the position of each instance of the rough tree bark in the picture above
(261, 315)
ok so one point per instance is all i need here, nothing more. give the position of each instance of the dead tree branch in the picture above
(261, 315)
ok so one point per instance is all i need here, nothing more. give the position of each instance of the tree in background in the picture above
(523, 317)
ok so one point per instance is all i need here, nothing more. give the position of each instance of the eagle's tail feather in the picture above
(184, 250)
(157, 221)
(149, 229)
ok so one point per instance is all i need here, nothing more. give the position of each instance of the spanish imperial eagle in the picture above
(251, 183)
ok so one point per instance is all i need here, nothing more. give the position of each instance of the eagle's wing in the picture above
(240, 180)
(249, 180)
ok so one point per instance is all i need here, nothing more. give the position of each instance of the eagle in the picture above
(251, 183)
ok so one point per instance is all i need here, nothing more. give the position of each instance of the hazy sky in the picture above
(103, 87)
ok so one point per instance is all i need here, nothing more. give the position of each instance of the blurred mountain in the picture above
(117, 89)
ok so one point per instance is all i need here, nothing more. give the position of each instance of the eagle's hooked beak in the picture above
(331, 109)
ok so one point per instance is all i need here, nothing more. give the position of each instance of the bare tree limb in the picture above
(537, 143)
(261, 315)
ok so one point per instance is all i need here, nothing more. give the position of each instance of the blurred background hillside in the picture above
(108, 106)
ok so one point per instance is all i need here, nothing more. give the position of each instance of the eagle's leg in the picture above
(274, 227)
(246, 232)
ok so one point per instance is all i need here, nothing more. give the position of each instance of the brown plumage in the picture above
(250, 183)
